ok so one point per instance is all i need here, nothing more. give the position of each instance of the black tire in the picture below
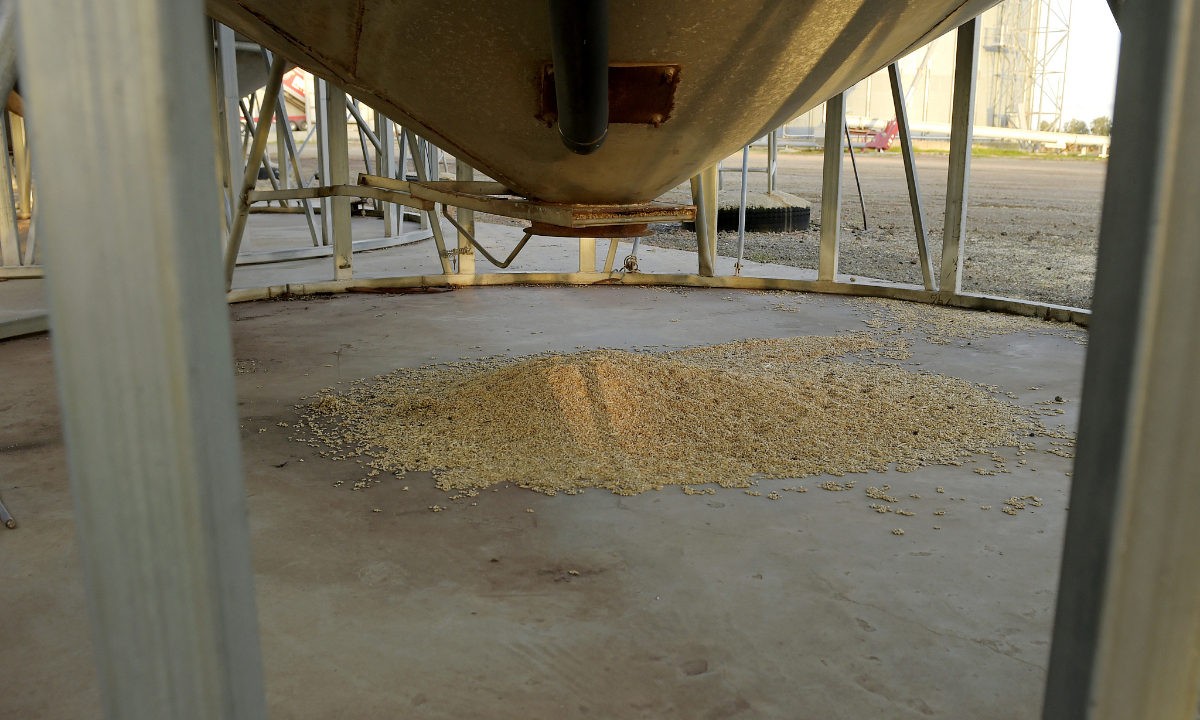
(761, 219)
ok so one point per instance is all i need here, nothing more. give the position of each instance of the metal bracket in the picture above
(567, 216)
(637, 94)
(471, 239)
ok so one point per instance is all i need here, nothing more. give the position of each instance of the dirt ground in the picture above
(1032, 223)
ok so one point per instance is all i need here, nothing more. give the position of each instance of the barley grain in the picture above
(631, 422)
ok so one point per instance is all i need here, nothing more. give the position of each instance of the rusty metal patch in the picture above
(592, 231)
(637, 94)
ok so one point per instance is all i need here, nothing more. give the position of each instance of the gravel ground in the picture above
(1031, 222)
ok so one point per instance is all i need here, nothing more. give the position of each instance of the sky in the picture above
(1091, 61)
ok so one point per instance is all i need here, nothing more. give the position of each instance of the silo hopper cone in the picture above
(691, 81)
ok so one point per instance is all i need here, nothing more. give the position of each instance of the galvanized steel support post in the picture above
(737, 266)
(283, 130)
(587, 255)
(385, 166)
(401, 169)
(229, 109)
(910, 174)
(1126, 642)
(403, 154)
(321, 89)
(704, 197)
(466, 218)
(310, 104)
(831, 187)
(862, 204)
(8, 46)
(219, 145)
(289, 147)
(420, 155)
(611, 258)
(143, 355)
(712, 203)
(772, 161)
(364, 129)
(962, 121)
(10, 248)
(10, 239)
(250, 178)
(360, 124)
(31, 241)
(430, 220)
(251, 131)
(22, 166)
(337, 157)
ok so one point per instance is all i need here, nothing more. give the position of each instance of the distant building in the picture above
(1021, 79)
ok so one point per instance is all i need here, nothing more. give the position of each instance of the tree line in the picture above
(1100, 126)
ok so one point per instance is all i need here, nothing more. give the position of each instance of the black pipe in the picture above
(579, 30)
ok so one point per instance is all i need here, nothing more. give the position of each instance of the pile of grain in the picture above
(630, 422)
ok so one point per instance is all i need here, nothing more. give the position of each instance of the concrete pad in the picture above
(22, 307)
(719, 606)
